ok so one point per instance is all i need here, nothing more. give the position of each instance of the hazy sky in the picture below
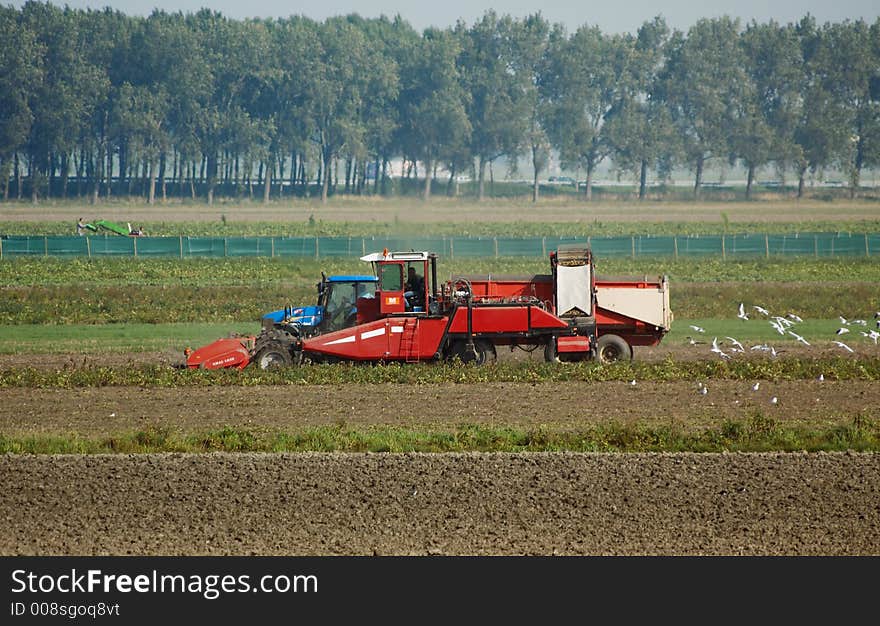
(611, 17)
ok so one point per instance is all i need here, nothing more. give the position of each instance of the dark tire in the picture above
(611, 348)
(483, 352)
(272, 355)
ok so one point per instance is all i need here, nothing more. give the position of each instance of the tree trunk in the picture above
(802, 172)
(429, 162)
(162, 176)
(267, 183)
(17, 167)
(325, 167)
(643, 179)
(698, 180)
(749, 180)
(449, 183)
(384, 185)
(151, 184)
(588, 193)
(536, 187)
(348, 168)
(481, 188)
(192, 180)
(212, 176)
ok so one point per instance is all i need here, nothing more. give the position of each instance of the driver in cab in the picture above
(414, 290)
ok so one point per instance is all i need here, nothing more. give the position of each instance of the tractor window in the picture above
(391, 277)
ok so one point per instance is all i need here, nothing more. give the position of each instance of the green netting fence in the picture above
(724, 246)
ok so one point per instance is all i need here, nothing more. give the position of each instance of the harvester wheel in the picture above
(272, 355)
(483, 352)
(612, 348)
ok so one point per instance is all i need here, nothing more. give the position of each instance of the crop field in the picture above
(102, 431)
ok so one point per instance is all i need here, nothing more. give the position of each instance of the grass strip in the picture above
(757, 433)
(832, 368)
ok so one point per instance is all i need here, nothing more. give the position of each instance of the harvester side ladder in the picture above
(409, 340)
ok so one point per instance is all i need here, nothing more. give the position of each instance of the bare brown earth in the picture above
(451, 504)
(440, 209)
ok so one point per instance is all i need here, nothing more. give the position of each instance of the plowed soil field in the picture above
(475, 503)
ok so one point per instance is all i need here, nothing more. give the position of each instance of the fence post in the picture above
(272, 246)
(225, 246)
(675, 247)
(1, 247)
(363, 246)
(495, 242)
(723, 249)
(180, 243)
(766, 246)
(633, 241)
(543, 246)
(816, 246)
(88, 247)
(45, 245)
(317, 251)
(867, 249)
(134, 240)
(451, 249)
(832, 247)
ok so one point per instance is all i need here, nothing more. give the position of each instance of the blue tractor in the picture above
(336, 309)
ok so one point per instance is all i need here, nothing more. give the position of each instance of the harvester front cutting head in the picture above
(223, 353)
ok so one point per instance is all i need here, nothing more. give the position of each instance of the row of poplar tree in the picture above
(197, 103)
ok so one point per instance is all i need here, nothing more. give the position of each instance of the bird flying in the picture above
(742, 312)
(761, 309)
(736, 343)
(718, 350)
(698, 329)
(794, 317)
(844, 346)
(799, 338)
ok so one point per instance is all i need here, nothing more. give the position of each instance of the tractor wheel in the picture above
(483, 352)
(612, 348)
(272, 355)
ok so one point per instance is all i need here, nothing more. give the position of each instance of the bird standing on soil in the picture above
(774, 400)
(692, 342)
(756, 386)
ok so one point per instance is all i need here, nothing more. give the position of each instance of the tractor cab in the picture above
(338, 299)
(407, 283)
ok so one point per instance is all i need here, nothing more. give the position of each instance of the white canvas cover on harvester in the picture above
(573, 297)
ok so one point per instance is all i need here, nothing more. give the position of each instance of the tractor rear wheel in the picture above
(273, 354)
(611, 348)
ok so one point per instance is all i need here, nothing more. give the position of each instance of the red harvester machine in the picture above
(570, 313)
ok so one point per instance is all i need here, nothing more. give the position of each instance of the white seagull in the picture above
(693, 342)
(718, 350)
(774, 400)
(841, 330)
(844, 346)
(794, 317)
(821, 377)
(742, 312)
(799, 338)
(761, 309)
(779, 327)
(756, 385)
(698, 329)
(738, 345)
